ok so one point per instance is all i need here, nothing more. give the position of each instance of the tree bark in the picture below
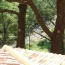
(21, 26)
(4, 36)
(9, 11)
(57, 38)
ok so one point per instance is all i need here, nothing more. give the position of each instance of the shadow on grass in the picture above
(44, 44)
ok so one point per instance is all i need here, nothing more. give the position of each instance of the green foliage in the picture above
(9, 21)
(30, 20)
(44, 44)
(40, 45)
(7, 5)
(11, 27)
(47, 9)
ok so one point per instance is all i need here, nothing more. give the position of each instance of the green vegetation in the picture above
(8, 21)
(40, 45)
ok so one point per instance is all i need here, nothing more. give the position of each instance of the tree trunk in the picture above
(57, 35)
(57, 38)
(4, 36)
(21, 26)
(3, 31)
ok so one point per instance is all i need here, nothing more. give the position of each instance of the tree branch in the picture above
(19, 1)
(10, 11)
(52, 23)
(39, 19)
(38, 16)
(41, 35)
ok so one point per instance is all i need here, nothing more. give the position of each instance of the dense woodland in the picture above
(49, 11)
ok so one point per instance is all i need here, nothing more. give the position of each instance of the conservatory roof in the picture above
(20, 56)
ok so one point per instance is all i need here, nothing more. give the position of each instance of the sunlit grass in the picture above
(40, 45)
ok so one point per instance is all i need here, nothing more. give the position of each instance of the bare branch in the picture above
(40, 19)
(10, 11)
(41, 35)
(52, 23)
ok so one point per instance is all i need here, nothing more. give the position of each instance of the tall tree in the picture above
(7, 21)
(57, 35)
(21, 25)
